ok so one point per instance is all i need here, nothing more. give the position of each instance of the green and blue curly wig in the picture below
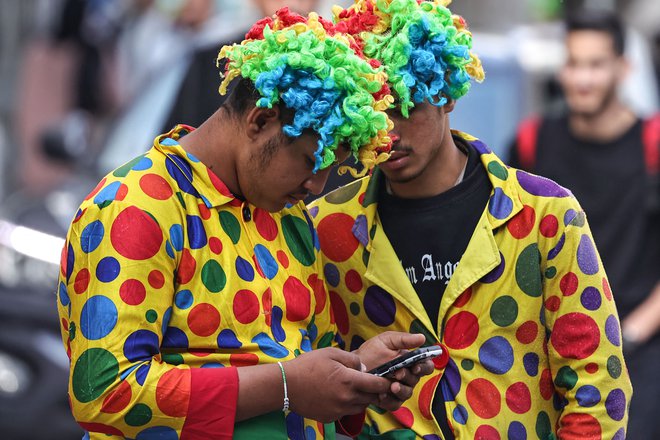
(313, 70)
(424, 48)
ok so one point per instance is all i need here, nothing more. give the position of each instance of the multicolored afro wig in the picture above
(425, 49)
(303, 63)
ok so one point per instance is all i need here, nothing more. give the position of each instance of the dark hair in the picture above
(243, 96)
(598, 20)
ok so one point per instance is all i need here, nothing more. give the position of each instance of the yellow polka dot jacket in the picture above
(167, 283)
(528, 318)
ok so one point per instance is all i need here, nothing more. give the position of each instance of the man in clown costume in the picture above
(191, 294)
(495, 265)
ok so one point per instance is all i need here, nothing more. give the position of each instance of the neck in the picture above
(606, 125)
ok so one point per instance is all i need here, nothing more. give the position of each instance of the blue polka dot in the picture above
(91, 236)
(64, 296)
(98, 317)
(166, 319)
(70, 261)
(276, 324)
(451, 381)
(169, 250)
(192, 157)
(295, 426)
(266, 261)
(227, 339)
(168, 142)
(141, 373)
(212, 365)
(174, 337)
(356, 342)
(305, 343)
(517, 431)
(569, 215)
(141, 345)
(531, 364)
(144, 164)
(196, 232)
(176, 237)
(107, 269)
(310, 434)
(181, 172)
(587, 396)
(460, 414)
(244, 269)
(500, 205)
(183, 299)
(331, 273)
(107, 194)
(270, 347)
(158, 433)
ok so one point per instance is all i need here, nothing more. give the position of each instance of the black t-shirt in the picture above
(610, 182)
(430, 235)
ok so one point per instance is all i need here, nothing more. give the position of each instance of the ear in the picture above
(262, 121)
(624, 68)
(449, 106)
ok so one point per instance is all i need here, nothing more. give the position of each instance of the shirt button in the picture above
(247, 215)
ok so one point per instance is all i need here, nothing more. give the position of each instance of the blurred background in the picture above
(86, 85)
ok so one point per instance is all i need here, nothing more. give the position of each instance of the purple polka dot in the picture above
(174, 337)
(196, 232)
(620, 434)
(331, 274)
(141, 345)
(517, 431)
(360, 229)
(587, 396)
(500, 205)
(244, 269)
(107, 269)
(569, 215)
(531, 364)
(558, 247)
(451, 381)
(480, 147)
(314, 211)
(356, 342)
(431, 437)
(540, 186)
(379, 306)
(615, 404)
(141, 373)
(612, 330)
(496, 273)
(591, 298)
(496, 355)
(98, 317)
(227, 339)
(586, 256)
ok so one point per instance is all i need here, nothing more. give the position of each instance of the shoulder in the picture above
(347, 199)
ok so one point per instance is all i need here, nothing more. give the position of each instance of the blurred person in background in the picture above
(609, 158)
(199, 254)
(484, 260)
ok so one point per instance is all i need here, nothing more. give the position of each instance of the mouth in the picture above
(295, 198)
(398, 159)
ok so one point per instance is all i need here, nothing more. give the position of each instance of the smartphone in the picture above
(407, 360)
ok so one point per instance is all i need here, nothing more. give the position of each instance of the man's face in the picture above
(592, 72)
(418, 140)
(269, 7)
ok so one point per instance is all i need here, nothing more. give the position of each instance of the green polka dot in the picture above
(372, 232)
(566, 378)
(123, 170)
(379, 410)
(72, 331)
(614, 367)
(467, 364)
(497, 170)
(579, 220)
(343, 194)
(325, 340)
(417, 327)
(543, 427)
(139, 415)
(299, 239)
(528, 271)
(213, 276)
(296, 352)
(95, 370)
(230, 225)
(504, 311)
(173, 358)
(365, 256)
(151, 315)
(550, 272)
(355, 308)
(179, 197)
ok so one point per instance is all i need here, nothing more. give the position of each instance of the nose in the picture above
(316, 182)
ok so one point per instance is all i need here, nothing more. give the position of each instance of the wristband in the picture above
(286, 394)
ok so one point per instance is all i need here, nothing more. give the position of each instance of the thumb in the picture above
(403, 341)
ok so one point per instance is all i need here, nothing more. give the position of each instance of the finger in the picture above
(406, 377)
(400, 340)
(423, 368)
(369, 383)
(348, 359)
(400, 391)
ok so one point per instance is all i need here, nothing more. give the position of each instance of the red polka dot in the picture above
(257, 266)
(173, 392)
(65, 324)
(549, 226)
(200, 353)
(461, 331)
(266, 225)
(118, 400)
(522, 223)
(404, 416)
(339, 312)
(100, 427)
(553, 303)
(575, 336)
(336, 236)
(591, 368)
(63, 259)
(320, 295)
(283, 259)
(243, 359)
(204, 319)
(155, 187)
(463, 298)
(607, 290)
(361, 198)
(219, 185)
(486, 432)
(527, 332)
(156, 279)
(122, 191)
(82, 281)
(353, 281)
(518, 398)
(204, 211)
(426, 396)
(297, 298)
(585, 424)
(215, 245)
(132, 292)
(568, 284)
(98, 187)
(484, 398)
(546, 387)
(267, 305)
(187, 267)
(246, 306)
(135, 235)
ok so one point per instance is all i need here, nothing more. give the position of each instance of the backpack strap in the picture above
(651, 141)
(526, 142)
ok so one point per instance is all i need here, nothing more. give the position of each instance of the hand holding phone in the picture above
(407, 360)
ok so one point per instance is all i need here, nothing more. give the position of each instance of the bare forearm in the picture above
(260, 391)
(644, 321)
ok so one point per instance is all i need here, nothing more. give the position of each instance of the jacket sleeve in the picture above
(116, 292)
(587, 370)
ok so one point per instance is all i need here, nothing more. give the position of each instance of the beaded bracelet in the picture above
(286, 394)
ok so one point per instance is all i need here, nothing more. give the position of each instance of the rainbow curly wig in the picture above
(313, 70)
(425, 49)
